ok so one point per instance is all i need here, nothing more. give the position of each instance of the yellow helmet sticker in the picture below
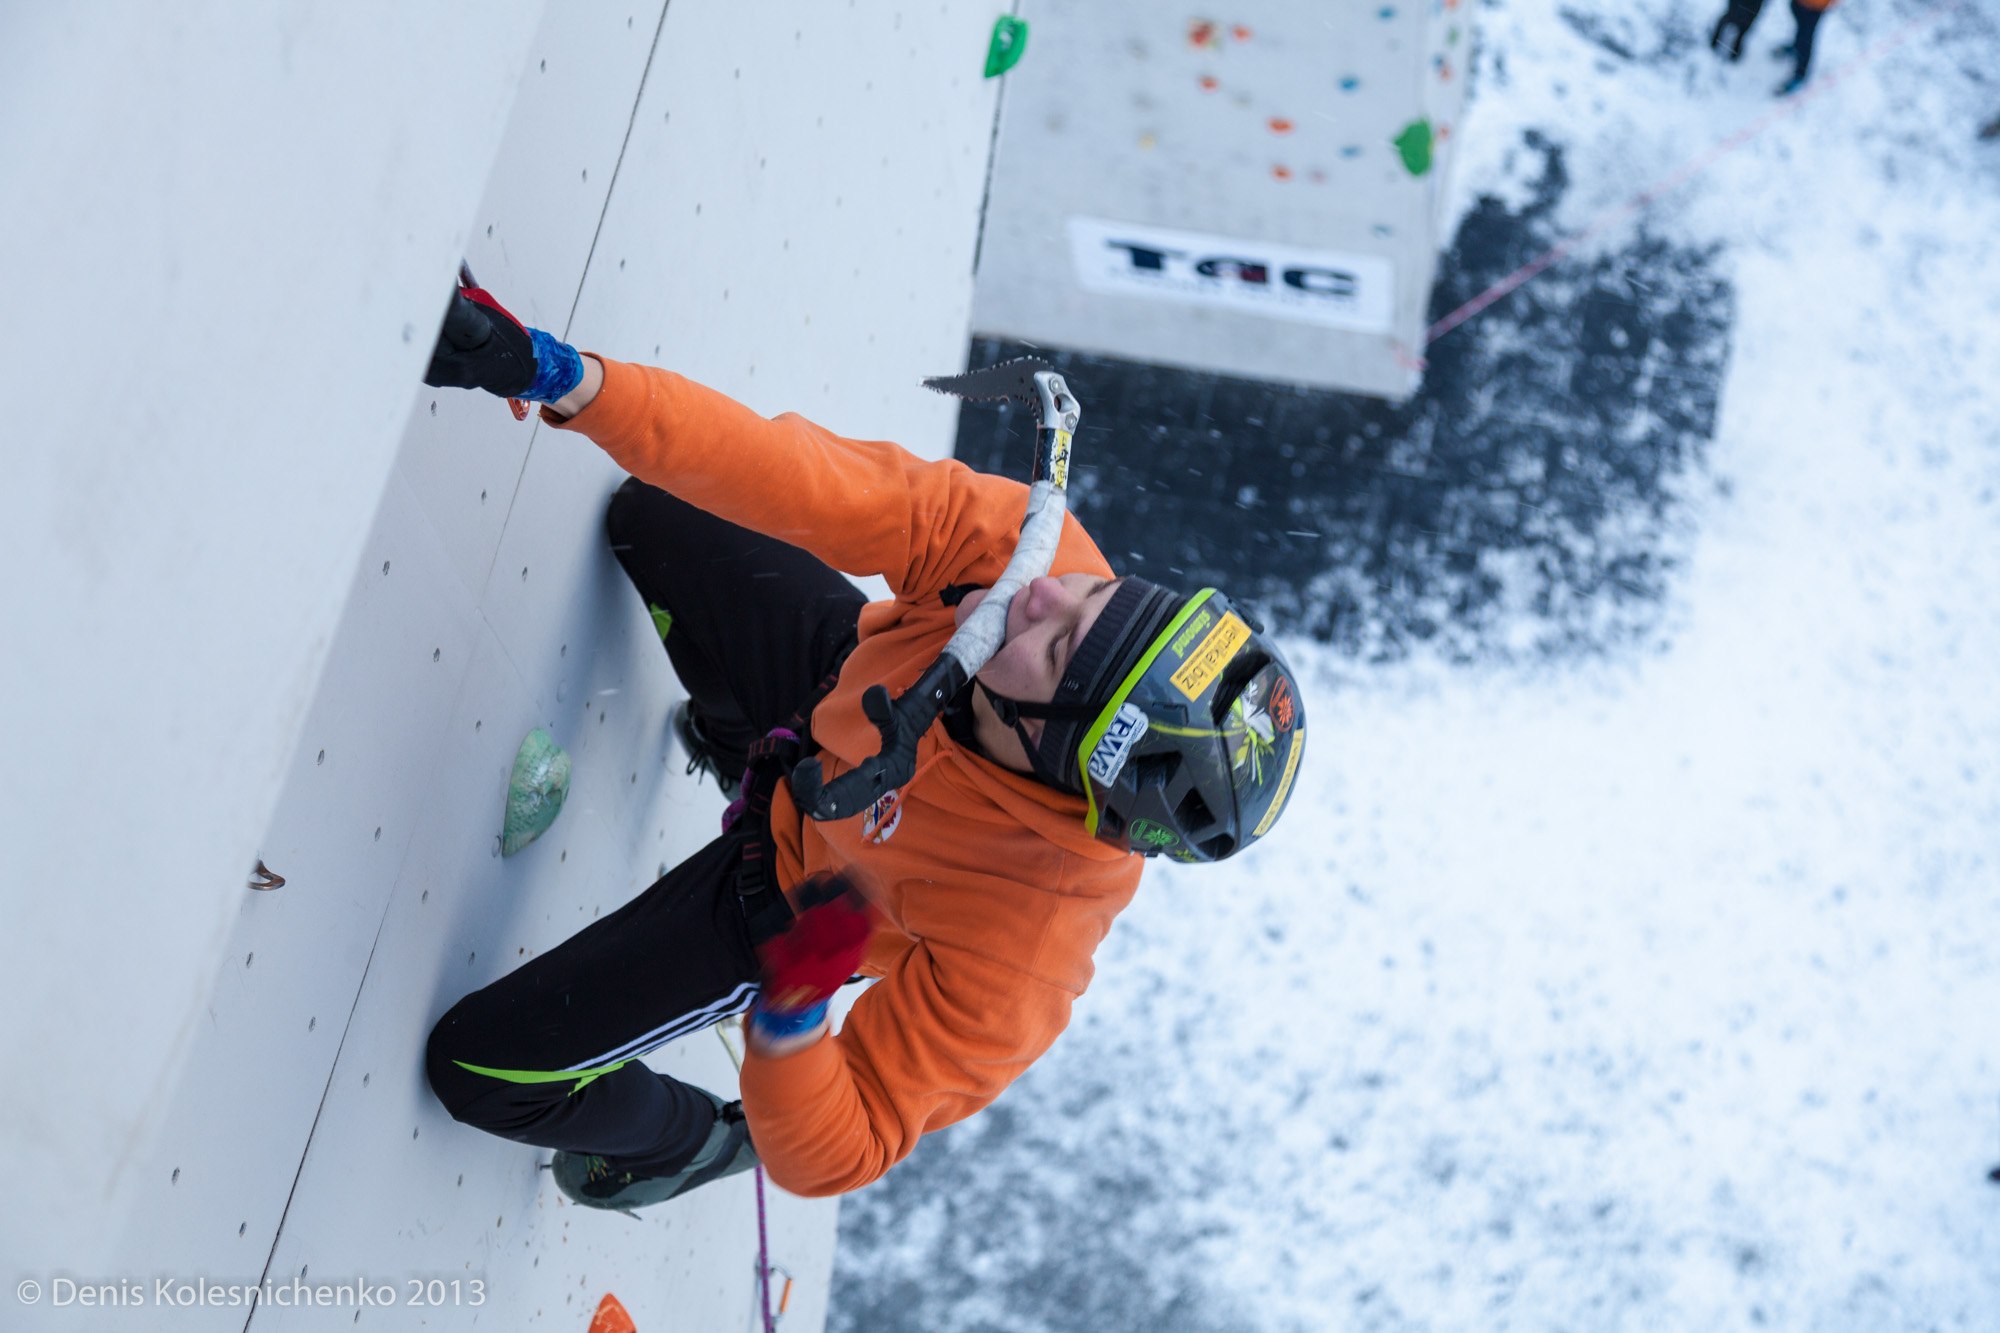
(1207, 660)
(1298, 749)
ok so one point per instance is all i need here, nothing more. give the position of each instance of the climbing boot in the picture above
(608, 1182)
(705, 756)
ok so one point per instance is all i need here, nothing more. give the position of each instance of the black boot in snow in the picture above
(1726, 39)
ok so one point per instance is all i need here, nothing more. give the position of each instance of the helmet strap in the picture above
(1012, 711)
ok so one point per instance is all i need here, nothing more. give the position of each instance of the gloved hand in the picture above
(482, 346)
(804, 964)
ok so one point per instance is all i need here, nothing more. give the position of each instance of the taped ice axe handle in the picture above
(902, 721)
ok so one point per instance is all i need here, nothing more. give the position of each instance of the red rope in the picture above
(1701, 162)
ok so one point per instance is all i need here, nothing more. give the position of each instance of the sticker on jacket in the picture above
(883, 817)
(1107, 761)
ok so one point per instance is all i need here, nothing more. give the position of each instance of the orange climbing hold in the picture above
(1240, 32)
(1209, 83)
(611, 1317)
(1282, 172)
(1279, 125)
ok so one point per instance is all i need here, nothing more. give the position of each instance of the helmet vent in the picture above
(1193, 812)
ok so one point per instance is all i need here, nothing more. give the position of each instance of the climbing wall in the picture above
(786, 210)
(1256, 191)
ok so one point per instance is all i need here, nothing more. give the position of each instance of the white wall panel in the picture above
(1266, 131)
(220, 237)
(260, 215)
(795, 218)
(207, 1196)
(527, 243)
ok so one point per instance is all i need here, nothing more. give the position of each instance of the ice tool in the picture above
(902, 721)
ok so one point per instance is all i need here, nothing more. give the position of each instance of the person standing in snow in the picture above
(1117, 720)
(1733, 28)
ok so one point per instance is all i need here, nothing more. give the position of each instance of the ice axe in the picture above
(904, 719)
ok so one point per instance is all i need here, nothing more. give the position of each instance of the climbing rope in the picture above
(764, 1267)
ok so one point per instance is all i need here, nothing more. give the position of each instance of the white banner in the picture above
(1325, 287)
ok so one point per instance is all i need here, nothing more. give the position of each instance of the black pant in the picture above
(1734, 27)
(1802, 41)
(547, 1054)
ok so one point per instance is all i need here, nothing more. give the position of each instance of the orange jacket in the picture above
(992, 896)
(1819, 4)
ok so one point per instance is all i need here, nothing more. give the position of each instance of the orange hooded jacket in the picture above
(991, 895)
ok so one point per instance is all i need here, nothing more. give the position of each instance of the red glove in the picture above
(803, 965)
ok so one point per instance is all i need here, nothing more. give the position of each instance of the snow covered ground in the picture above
(1650, 988)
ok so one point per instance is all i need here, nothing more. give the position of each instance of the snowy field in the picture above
(1653, 987)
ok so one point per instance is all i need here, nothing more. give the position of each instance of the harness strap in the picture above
(771, 761)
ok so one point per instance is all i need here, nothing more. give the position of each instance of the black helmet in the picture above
(1178, 721)
(1195, 751)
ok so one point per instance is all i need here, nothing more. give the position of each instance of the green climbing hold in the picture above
(1010, 39)
(536, 792)
(663, 619)
(1414, 143)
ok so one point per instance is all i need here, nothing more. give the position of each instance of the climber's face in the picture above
(1045, 622)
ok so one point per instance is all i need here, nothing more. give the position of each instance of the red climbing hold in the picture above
(611, 1317)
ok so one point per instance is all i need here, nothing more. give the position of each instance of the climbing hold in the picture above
(1010, 39)
(536, 792)
(1414, 143)
(1209, 83)
(1349, 84)
(611, 1317)
(1201, 35)
(1282, 172)
(1280, 125)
